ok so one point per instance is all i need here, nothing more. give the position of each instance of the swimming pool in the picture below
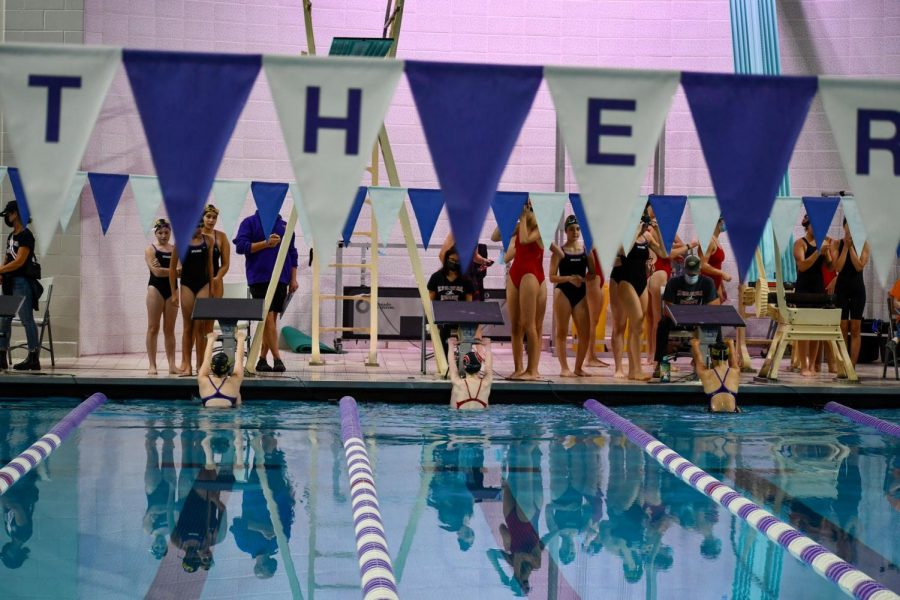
(519, 500)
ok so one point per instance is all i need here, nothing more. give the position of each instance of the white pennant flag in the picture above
(610, 121)
(386, 203)
(704, 215)
(72, 197)
(865, 119)
(50, 99)
(302, 219)
(148, 197)
(548, 209)
(230, 197)
(854, 222)
(784, 216)
(629, 230)
(2, 174)
(330, 110)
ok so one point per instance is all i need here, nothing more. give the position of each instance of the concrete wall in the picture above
(845, 37)
(50, 21)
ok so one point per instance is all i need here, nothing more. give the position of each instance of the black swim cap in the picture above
(220, 365)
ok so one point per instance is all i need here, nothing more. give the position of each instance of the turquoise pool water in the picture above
(165, 500)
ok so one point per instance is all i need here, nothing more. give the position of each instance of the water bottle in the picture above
(665, 370)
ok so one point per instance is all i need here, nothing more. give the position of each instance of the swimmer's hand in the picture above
(212, 336)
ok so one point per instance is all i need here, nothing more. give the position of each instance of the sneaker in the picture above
(278, 366)
(263, 367)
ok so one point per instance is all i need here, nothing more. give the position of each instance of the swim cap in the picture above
(210, 209)
(719, 351)
(160, 223)
(570, 220)
(220, 365)
(471, 362)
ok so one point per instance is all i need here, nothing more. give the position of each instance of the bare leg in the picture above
(170, 314)
(582, 318)
(595, 309)
(187, 333)
(517, 330)
(633, 307)
(620, 318)
(155, 305)
(855, 340)
(201, 328)
(654, 310)
(562, 312)
(528, 310)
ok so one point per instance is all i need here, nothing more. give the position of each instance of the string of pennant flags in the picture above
(331, 108)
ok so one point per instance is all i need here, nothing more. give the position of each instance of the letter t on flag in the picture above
(189, 104)
(472, 115)
(50, 98)
(330, 110)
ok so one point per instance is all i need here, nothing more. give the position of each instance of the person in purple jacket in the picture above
(260, 253)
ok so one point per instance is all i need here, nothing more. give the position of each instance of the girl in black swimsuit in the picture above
(160, 299)
(195, 277)
(569, 267)
(809, 258)
(850, 289)
(221, 258)
(628, 297)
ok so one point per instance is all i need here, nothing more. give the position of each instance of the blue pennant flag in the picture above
(578, 209)
(107, 190)
(820, 212)
(427, 205)
(15, 180)
(268, 197)
(748, 125)
(353, 217)
(668, 211)
(189, 104)
(471, 115)
(507, 207)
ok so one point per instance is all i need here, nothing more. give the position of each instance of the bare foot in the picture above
(183, 370)
(566, 373)
(581, 373)
(516, 375)
(174, 370)
(596, 362)
(619, 374)
(151, 370)
(639, 376)
(527, 376)
(807, 373)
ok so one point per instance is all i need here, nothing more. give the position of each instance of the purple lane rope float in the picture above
(885, 427)
(375, 569)
(41, 449)
(851, 580)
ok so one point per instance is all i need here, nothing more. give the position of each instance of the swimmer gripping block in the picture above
(301, 343)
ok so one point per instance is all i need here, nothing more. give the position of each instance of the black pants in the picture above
(666, 326)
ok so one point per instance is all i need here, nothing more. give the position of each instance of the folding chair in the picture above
(43, 321)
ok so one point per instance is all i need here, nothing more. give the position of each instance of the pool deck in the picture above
(398, 379)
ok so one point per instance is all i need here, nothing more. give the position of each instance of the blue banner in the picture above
(15, 180)
(189, 104)
(507, 207)
(268, 197)
(107, 190)
(471, 115)
(578, 209)
(748, 125)
(821, 213)
(668, 211)
(427, 205)
(353, 216)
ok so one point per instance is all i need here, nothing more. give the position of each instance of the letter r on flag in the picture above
(54, 85)
(596, 129)
(315, 121)
(865, 143)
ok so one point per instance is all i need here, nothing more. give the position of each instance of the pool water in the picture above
(165, 500)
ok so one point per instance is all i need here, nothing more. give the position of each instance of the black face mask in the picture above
(7, 220)
(452, 265)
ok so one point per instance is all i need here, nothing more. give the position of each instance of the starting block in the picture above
(467, 316)
(228, 311)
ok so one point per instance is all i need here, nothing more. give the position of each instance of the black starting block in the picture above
(707, 319)
(228, 311)
(467, 316)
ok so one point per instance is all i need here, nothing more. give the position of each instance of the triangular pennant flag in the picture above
(507, 207)
(785, 213)
(472, 115)
(230, 197)
(268, 197)
(821, 213)
(704, 216)
(386, 203)
(330, 110)
(148, 198)
(748, 125)
(854, 222)
(610, 121)
(865, 118)
(635, 209)
(50, 99)
(15, 181)
(353, 215)
(548, 209)
(72, 197)
(107, 189)
(578, 210)
(427, 205)
(2, 174)
(302, 218)
(189, 104)
(668, 211)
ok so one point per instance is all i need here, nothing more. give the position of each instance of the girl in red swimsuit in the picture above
(712, 260)
(526, 294)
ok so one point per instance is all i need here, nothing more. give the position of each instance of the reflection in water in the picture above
(892, 480)
(159, 486)
(19, 501)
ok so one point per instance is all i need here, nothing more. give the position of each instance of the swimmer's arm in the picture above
(526, 236)
(225, 252)
(555, 258)
(732, 355)
(453, 366)
(153, 264)
(495, 235)
(488, 359)
(510, 253)
(11, 265)
(699, 363)
(239, 355)
(173, 272)
(203, 369)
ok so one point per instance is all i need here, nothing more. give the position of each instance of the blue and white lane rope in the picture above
(851, 580)
(885, 427)
(41, 449)
(375, 567)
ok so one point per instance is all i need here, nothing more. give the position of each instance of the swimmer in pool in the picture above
(720, 383)
(473, 390)
(220, 381)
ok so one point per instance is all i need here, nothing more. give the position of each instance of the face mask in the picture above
(692, 279)
(452, 266)
(7, 220)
